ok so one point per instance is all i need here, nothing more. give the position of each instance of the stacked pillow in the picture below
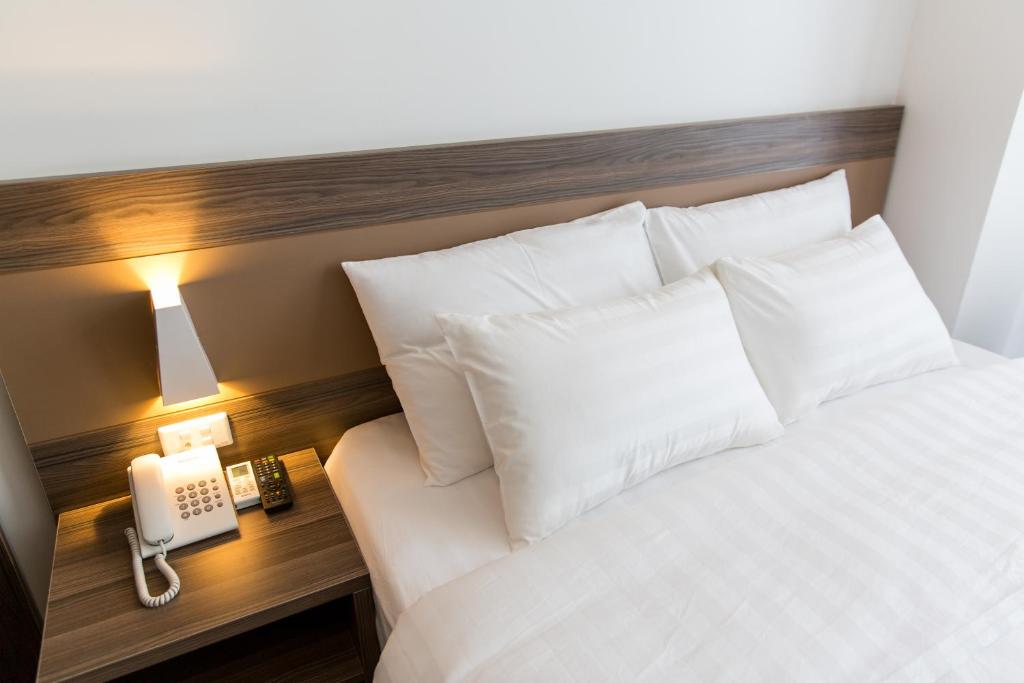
(593, 259)
(555, 355)
(581, 403)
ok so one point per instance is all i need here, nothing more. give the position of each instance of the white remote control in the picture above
(242, 482)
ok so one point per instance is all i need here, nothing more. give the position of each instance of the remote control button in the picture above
(179, 490)
(181, 498)
(220, 504)
(213, 480)
(206, 499)
(197, 512)
(184, 515)
(204, 490)
(192, 494)
(207, 507)
(190, 487)
(202, 482)
(182, 506)
(216, 495)
(216, 488)
(194, 503)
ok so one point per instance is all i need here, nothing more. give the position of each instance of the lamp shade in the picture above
(185, 371)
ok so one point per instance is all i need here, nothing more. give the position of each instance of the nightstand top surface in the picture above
(273, 566)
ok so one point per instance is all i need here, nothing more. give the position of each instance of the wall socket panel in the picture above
(208, 430)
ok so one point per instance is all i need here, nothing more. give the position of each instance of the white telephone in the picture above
(177, 500)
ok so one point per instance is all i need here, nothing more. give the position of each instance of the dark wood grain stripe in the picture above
(87, 468)
(73, 220)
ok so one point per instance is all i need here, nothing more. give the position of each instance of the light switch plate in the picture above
(208, 430)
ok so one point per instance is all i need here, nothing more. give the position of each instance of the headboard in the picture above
(256, 245)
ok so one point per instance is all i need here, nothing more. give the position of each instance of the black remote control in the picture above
(273, 483)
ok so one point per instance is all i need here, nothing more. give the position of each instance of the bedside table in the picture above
(288, 593)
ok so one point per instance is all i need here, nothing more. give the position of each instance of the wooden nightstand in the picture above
(286, 596)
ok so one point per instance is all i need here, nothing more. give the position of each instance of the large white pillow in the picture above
(829, 319)
(581, 403)
(688, 239)
(592, 259)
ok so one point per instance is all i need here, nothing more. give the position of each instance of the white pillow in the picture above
(829, 319)
(686, 240)
(592, 259)
(582, 403)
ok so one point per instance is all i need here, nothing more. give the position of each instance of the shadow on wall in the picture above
(25, 515)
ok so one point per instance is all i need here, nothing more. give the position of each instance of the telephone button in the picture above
(194, 503)
(202, 482)
(197, 512)
(190, 487)
(220, 503)
(192, 494)
(208, 507)
(216, 495)
(181, 498)
(216, 488)
(206, 499)
(182, 506)
(184, 515)
(204, 491)
(179, 490)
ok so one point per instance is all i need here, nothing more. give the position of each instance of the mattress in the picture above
(414, 537)
(880, 538)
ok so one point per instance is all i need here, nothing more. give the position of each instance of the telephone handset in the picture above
(177, 500)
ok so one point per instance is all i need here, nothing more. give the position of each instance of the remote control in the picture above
(272, 479)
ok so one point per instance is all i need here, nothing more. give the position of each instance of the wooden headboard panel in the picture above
(256, 247)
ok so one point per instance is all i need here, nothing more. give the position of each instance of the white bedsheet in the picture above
(415, 537)
(879, 539)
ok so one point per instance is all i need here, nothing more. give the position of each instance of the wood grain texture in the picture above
(84, 219)
(274, 566)
(366, 630)
(87, 468)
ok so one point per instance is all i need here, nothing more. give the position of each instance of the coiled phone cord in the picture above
(140, 575)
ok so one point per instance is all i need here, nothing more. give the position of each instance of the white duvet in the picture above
(879, 542)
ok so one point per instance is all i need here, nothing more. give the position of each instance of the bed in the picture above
(464, 607)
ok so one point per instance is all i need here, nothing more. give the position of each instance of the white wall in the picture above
(961, 87)
(116, 84)
(25, 515)
(992, 298)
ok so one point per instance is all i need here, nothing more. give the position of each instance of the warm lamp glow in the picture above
(160, 273)
(165, 295)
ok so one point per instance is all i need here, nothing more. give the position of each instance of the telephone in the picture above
(177, 500)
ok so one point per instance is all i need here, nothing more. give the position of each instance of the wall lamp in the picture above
(185, 371)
